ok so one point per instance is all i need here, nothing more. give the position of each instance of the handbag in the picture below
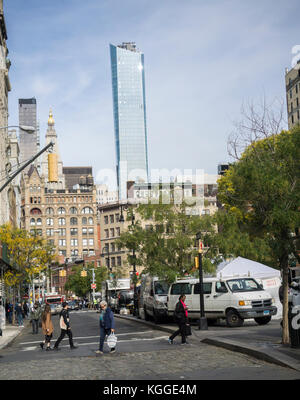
(112, 340)
(188, 330)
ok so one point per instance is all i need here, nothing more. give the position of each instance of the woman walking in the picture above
(181, 318)
(47, 327)
(107, 325)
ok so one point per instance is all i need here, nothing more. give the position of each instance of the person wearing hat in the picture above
(65, 328)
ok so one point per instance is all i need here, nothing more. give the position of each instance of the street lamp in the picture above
(28, 129)
(202, 320)
(106, 247)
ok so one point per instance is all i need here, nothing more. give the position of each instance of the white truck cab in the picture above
(233, 299)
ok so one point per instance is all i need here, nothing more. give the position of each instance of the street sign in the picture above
(93, 285)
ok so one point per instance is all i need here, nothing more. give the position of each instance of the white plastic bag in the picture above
(112, 340)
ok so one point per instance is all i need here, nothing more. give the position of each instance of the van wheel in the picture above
(146, 315)
(233, 319)
(262, 320)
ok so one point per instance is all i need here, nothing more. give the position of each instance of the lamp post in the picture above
(106, 247)
(134, 271)
(202, 320)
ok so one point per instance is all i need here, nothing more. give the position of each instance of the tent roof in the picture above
(243, 267)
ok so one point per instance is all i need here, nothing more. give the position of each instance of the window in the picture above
(84, 242)
(32, 221)
(112, 219)
(62, 252)
(74, 252)
(49, 211)
(117, 217)
(39, 221)
(221, 287)
(91, 221)
(113, 262)
(112, 232)
(73, 221)
(91, 242)
(74, 242)
(181, 288)
(84, 221)
(35, 211)
(106, 219)
(49, 232)
(49, 221)
(91, 231)
(206, 288)
(243, 285)
(62, 242)
(87, 210)
(91, 252)
(61, 221)
(73, 210)
(113, 247)
(61, 210)
(119, 261)
(62, 231)
(84, 231)
(117, 231)
(106, 233)
(74, 231)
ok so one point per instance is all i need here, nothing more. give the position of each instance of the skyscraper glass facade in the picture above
(128, 86)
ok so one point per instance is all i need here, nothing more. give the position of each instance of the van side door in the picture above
(221, 299)
(207, 293)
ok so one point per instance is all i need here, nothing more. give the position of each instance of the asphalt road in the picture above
(141, 353)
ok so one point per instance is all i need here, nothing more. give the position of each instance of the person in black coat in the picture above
(181, 318)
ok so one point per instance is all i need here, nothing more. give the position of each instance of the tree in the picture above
(166, 248)
(263, 189)
(81, 285)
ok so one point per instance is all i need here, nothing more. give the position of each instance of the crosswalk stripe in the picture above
(92, 337)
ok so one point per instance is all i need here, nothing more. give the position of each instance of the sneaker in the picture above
(99, 352)
(112, 350)
(170, 341)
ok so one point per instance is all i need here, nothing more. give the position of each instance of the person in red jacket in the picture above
(181, 318)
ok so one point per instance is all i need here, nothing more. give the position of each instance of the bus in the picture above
(54, 299)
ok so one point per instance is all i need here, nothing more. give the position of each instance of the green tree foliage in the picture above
(262, 190)
(81, 285)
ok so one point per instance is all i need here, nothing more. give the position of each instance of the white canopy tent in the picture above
(242, 267)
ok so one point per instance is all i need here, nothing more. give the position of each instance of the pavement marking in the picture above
(31, 348)
(90, 337)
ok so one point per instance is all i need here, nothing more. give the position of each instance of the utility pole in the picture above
(202, 319)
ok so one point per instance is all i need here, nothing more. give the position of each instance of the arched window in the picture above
(49, 221)
(73, 210)
(61, 210)
(91, 221)
(49, 211)
(84, 221)
(32, 221)
(73, 221)
(39, 221)
(35, 211)
(61, 221)
(87, 210)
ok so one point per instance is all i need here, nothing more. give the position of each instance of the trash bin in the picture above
(294, 326)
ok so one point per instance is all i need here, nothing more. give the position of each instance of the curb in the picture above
(279, 359)
(150, 324)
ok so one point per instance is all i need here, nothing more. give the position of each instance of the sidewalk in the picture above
(9, 333)
(261, 342)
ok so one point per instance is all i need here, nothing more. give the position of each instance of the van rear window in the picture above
(181, 288)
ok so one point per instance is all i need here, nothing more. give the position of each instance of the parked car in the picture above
(232, 299)
(73, 305)
(125, 300)
(153, 299)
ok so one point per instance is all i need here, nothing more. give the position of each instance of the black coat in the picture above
(179, 314)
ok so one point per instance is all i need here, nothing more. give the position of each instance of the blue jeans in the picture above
(20, 319)
(103, 333)
(35, 325)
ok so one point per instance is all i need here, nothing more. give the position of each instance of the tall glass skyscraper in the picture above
(128, 86)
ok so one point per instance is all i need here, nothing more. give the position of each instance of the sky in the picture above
(204, 59)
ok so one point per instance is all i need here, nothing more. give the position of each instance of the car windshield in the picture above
(161, 288)
(243, 285)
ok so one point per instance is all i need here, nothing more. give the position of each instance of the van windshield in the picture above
(161, 288)
(243, 285)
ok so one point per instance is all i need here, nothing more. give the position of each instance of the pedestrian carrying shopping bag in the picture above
(112, 340)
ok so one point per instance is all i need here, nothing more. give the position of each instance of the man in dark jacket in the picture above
(107, 325)
(65, 328)
(181, 318)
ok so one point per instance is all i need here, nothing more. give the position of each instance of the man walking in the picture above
(65, 328)
(19, 314)
(34, 317)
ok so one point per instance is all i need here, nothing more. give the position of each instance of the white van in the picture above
(233, 299)
(153, 299)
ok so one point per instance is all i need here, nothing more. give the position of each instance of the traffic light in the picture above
(196, 262)
(83, 273)
(137, 274)
(62, 272)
